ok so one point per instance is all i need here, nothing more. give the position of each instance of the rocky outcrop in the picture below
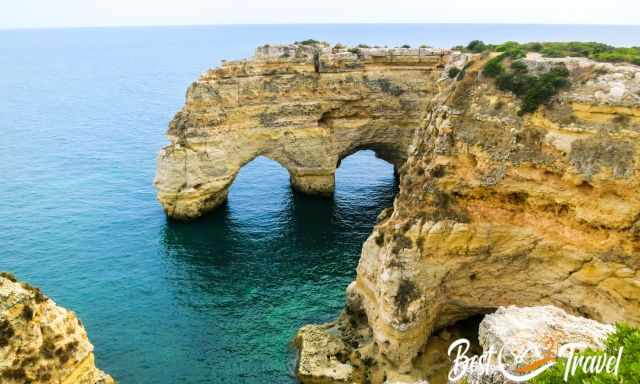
(322, 356)
(495, 208)
(306, 107)
(41, 342)
(529, 335)
(514, 329)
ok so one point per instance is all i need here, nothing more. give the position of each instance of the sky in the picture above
(94, 13)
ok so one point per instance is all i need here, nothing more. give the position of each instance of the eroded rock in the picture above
(528, 334)
(547, 327)
(41, 342)
(306, 107)
(497, 209)
(494, 209)
(322, 356)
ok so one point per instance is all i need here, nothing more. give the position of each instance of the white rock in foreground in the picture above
(546, 327)
(518, 331)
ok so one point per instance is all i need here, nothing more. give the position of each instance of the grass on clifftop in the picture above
(625, 336)
(591, 50)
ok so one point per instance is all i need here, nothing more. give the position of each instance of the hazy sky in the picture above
(74, 13)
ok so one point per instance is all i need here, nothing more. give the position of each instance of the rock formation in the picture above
(305, 107)
(514, 328)
(41, 342)
(530, 334)
(322, 356)
(495, 208)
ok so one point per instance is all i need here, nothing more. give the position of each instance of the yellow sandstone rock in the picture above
(494, 208)
(304, 107)
(41, 342)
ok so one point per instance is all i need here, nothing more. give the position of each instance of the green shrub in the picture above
(494, 67)
(534, 47)
(519, 67)
(624, 336)
(476, 46)
(579, 49)
(518, 83)
(308, 42)
(544, 88)
(512, 49)
(405, 46)
(592, 50)
(533, 90)
(453, 72)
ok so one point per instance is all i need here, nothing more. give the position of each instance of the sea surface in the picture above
(218, 300)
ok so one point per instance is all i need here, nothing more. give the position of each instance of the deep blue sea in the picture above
(82, 115)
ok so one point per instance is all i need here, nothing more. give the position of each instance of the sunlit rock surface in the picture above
(41, 342)
(494, 209)
(307, 107)
(527, 335)
(498, 209)
(514, 329)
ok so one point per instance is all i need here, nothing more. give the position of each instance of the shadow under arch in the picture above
(264, 213)
(392, 154)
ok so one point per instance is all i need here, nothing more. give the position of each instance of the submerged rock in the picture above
(41, 342)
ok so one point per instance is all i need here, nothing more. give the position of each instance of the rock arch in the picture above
(306, 108)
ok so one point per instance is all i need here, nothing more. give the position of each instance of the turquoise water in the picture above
(82, 116)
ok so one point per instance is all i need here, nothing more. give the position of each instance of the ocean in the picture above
(82, 116)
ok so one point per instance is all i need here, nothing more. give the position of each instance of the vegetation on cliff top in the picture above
(533, 90)
(311, 42)
(625, 336)
(591, 50)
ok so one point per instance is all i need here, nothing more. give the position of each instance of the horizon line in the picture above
(2, 29)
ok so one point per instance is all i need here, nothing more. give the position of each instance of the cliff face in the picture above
(41, 342)
(494, 209)
(305, 107)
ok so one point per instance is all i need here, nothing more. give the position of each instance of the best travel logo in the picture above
(524, 362)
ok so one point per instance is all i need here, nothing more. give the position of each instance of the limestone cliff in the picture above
(303, 106)
(495, 208)
(41, 342)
